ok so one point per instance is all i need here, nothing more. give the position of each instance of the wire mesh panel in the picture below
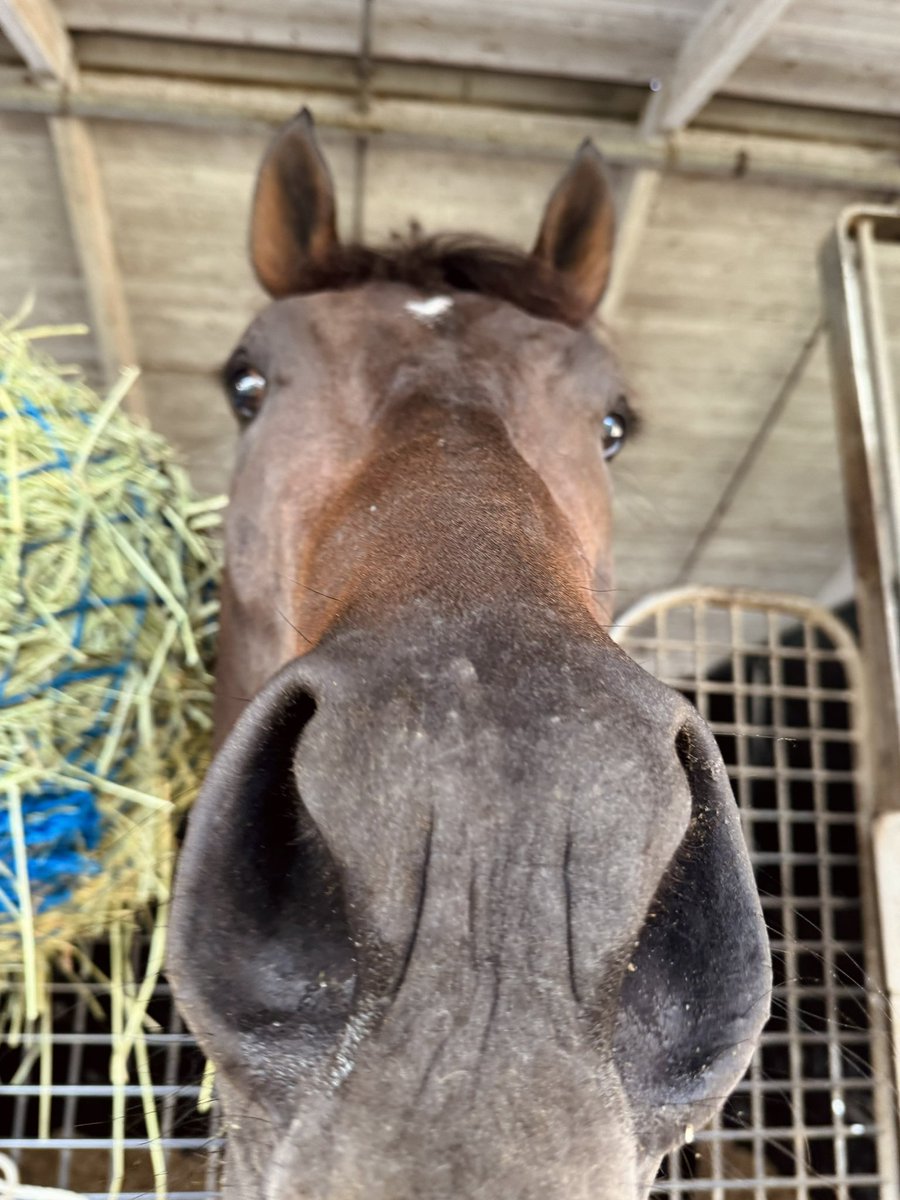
(778, 681)
(59, 1113)
(813, 1119)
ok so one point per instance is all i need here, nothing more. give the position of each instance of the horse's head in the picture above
(464, 909)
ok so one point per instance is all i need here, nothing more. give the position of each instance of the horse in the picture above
(463, 908)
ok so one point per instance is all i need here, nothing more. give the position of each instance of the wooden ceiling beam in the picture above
(725, 35)
(38, 33)
(843, 163)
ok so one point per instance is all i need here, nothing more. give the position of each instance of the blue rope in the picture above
(61, 826)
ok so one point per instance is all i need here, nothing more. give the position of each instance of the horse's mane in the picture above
(461, 262)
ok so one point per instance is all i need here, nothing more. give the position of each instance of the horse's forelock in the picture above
(459, 262)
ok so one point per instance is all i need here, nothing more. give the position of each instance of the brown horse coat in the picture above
(464, 909)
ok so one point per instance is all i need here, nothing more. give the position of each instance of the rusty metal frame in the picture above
(868, 421)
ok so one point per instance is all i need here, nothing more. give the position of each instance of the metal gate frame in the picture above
(868, 422)
(650, 632)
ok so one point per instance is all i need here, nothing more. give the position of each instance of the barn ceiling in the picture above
(736, 131)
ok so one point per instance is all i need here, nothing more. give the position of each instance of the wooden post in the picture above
(89, 220)
(727, 32)
(36, 30)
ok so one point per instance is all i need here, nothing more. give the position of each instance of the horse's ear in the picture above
(576, 235)
(294, 222)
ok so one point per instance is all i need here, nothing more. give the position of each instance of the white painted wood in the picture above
(840, 587)
(795, 475)
(796, 69)
(339, 72)
(787, 120)
(91, 232)
(613, 39)
(124, 53)
(724, 36)
(36, 30)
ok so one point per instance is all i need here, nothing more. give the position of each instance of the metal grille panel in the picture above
(80, 1153)
(814, 1119)
(777, 678)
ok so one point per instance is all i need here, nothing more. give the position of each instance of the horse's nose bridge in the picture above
(489, 936)
(491, 821)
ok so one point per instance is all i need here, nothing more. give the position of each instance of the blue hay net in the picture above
(61, 827)
(63, 824)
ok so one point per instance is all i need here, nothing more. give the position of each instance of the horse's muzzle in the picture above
(453, 923)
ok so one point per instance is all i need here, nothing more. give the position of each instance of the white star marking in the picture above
(431, 310)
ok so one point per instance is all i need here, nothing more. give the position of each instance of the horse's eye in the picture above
(614, 430)
(246, 391)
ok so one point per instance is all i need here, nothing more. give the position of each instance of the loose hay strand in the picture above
(207, 1084)
(110, 405)
(46, 1072)
(118, 1074)
(156, 952)
(26, 912)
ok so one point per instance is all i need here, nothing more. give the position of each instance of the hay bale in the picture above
(108, 608)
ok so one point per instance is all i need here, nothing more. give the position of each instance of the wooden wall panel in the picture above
(502, 195)
(723, 295)
(37, 251)
(192, 411)
(787, 518)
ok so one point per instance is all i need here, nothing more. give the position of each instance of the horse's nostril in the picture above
(256, 875)
(701, 761)
(274, 818)
(697, 993)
